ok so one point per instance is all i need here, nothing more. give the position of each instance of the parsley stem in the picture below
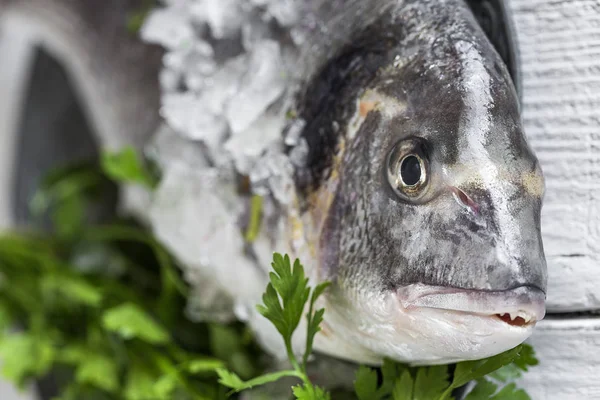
(444, 395)
(291, 356)
(255, 215)
(309, 340)
(300, 370)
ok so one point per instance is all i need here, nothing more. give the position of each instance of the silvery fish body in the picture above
(416, 195)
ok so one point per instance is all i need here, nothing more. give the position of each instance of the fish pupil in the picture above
(410, 170)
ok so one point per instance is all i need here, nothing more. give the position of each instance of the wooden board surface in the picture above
(569, 354)
(559, 43)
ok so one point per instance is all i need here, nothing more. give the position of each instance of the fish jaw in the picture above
(525, 302)
(428, 325)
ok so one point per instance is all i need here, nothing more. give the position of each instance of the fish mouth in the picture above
(520, 307)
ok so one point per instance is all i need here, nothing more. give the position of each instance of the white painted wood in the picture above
(569, 354)
(14, 72)
(559, 43)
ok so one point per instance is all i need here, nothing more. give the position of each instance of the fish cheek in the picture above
(347, 246)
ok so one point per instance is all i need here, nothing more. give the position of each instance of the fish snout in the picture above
(504, 227)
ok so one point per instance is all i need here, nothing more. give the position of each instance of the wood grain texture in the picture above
(559, 45)
(569, 361)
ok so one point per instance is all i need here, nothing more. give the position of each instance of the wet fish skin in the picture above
(439, 83)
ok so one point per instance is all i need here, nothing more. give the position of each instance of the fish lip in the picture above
(526, 300)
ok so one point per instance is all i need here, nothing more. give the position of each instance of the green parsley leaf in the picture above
(64, 187)
(507, 373)
(390, 371)
(510, 392)
(141, 385)
(72, 287)
(125, 166)
(403, 389)
(471, 370)
(203, 365)
(314, 320)
(482, 391)
(24, 355)
(291, 285)
(273, 311)
(431, 382)
(231, 380)
(283, 304)
(310, 392)
(73, 354)
(68, 215)
(165, 386)
(130, 321)
(365, 383)
(526, 358)
(98, 370)
(6, 318)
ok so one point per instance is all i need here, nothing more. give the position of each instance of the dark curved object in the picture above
(53, 132)
(495, 19)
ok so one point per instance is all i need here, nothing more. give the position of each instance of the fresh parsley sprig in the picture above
(284, 302)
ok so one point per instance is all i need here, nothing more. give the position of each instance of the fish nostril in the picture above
(463, 199)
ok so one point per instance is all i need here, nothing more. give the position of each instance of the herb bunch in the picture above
(99, 306)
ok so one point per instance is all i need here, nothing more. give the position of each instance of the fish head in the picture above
(433, 237)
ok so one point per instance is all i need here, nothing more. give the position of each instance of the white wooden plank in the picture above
(559, 43)
(569, 366)
(17, 53)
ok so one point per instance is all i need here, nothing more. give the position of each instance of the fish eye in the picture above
(410, 170)
(407, 168)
